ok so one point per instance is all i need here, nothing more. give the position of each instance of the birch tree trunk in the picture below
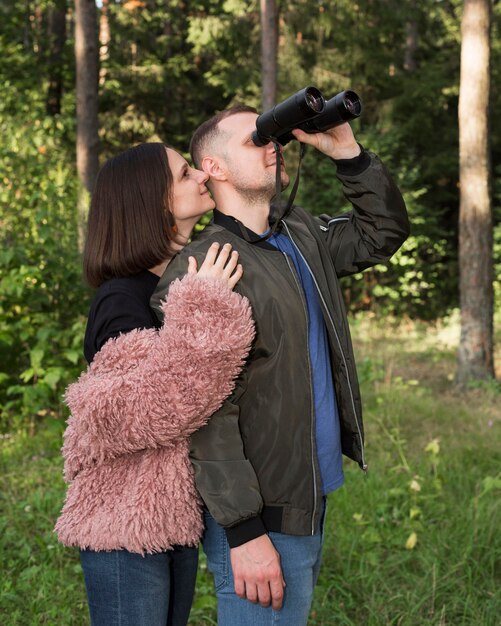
(475, 358)
(269, 53)
(86, 54)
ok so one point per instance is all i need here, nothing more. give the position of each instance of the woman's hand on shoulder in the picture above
(220, 264)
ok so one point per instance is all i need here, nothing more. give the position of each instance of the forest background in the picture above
(165, 66)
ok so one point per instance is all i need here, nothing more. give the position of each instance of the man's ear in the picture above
(212, 167)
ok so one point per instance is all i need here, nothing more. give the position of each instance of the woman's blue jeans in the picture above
(127, 589)
(300, 559)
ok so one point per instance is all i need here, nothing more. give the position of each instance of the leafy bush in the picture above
(42, 299)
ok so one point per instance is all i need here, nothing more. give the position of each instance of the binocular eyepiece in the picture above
(308, 110)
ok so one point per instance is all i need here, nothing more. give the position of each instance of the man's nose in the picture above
(270, 147)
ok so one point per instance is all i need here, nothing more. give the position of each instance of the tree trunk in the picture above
(104, 39)
(475, 358)
(26, 27)
(38, 31)
(269, 53)
(411, 45)
(86, 54)
(57, 38)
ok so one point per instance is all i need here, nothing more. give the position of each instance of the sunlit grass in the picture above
(414, 543)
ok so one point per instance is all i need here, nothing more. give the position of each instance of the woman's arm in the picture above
(150, 388)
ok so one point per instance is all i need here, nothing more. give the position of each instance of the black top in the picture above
(119, 306)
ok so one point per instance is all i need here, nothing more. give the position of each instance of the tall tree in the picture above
(87, 62)
(104, 39)
(411, 44)
(475, 359)
(269, 52)
(57, 37)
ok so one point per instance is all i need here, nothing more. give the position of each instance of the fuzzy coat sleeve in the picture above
(149, 388)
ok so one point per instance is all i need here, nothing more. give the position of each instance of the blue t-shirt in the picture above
(327, 431)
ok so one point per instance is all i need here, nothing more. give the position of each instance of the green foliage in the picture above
(409, 119)
(42, 298)
(171, 65)
(416, 542)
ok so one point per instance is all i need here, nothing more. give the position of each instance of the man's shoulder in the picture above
(178, 267)
(199, 246)
(210, 234)
(300, 216)
(299, 212)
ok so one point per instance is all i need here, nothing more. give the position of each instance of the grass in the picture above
(414, 543)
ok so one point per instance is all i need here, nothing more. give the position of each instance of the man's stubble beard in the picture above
(257, 194)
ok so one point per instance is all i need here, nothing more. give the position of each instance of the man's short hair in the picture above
(208, 132)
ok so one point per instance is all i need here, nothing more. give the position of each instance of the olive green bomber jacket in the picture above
(255, 461)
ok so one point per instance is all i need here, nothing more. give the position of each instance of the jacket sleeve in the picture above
(224, 475)
(148, 388)
(378, 224)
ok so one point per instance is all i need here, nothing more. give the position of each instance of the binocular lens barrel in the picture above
(307, 110)
(288, 114)
(342, 108)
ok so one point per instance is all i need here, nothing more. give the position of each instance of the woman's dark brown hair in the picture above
(130, 226)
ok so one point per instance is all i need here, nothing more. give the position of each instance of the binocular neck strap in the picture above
(278, 187)
(278, 180)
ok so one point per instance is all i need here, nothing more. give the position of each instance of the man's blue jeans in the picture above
(127, 589)
(300, 559)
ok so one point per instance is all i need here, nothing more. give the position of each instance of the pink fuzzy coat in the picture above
(126, 445)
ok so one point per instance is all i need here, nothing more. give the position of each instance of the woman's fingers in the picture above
(215, 260)
(231, 264)
(210, 257)
(236, 276)
(223, 256)
(192, 265)
(221, 263)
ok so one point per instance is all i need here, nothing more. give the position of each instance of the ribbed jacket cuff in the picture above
(355, 166)
(245, 531)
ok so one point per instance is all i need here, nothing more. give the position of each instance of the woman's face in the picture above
(190, 196)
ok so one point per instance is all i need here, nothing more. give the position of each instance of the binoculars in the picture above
(308, 110)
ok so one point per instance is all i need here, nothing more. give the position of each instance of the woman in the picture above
(131, 505)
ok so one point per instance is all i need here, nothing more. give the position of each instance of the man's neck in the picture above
(253, 216)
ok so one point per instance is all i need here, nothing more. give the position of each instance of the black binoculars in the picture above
(308, 110)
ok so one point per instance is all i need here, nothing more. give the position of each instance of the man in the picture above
(267, 459)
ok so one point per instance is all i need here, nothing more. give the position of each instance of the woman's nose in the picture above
(202, 176)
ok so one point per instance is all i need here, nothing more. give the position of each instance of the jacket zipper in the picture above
(312, 441)
(364, 465)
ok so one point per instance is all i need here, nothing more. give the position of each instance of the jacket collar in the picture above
(237, 228)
